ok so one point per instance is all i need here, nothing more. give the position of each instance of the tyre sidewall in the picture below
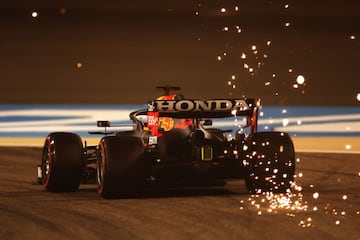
(121, 166)
(66, 163)
(271, 162)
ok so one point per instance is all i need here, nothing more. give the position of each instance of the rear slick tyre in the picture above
(63, 162)
(120, 166)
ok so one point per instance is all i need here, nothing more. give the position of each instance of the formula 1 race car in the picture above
(172, 143)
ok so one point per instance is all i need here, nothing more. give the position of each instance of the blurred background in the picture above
(116, 52)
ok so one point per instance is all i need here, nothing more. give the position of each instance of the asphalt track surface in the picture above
(328, 206)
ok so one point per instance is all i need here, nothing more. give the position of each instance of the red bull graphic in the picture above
(157, 124)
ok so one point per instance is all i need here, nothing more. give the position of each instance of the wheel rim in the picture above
(100, 171)
(48, 158)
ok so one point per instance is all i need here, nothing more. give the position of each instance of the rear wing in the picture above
(213, 108)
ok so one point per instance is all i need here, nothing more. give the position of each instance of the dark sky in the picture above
(126, 48)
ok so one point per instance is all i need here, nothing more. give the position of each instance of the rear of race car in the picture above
(173, 142)
(185, 146)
